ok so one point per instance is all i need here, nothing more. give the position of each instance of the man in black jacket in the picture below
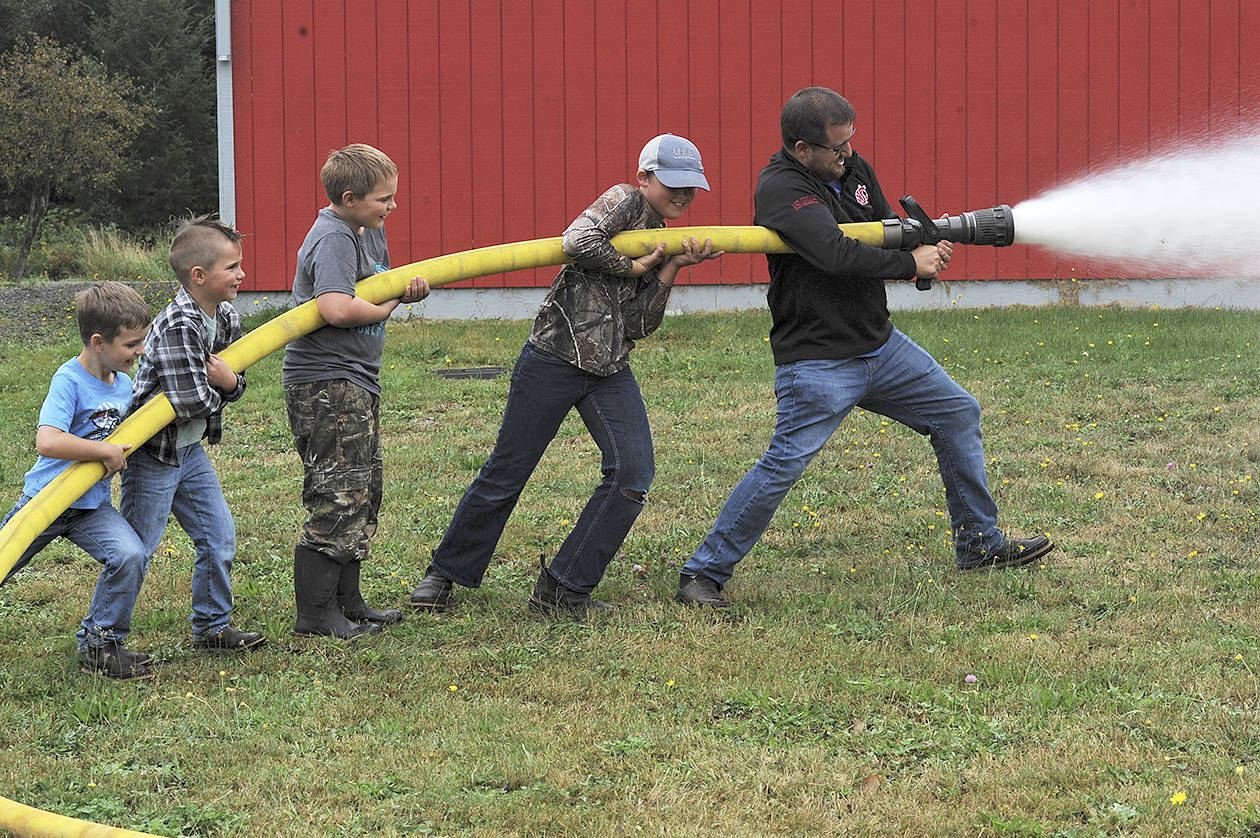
(834, 347)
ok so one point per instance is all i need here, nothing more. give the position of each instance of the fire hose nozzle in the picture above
(994, 226)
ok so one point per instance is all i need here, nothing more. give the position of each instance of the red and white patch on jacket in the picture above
(862, 196)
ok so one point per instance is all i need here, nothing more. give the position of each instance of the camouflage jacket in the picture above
(596, 308)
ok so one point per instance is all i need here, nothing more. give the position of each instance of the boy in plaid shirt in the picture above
(171, 472)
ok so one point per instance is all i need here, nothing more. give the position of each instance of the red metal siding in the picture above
(1012, 149)
(507, 119)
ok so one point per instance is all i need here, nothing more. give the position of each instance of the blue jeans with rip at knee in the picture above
(544, 389)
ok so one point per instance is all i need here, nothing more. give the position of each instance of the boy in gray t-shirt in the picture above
(332, 393)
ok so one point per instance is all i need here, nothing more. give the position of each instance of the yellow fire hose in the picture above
(69, 486)
(27, 822)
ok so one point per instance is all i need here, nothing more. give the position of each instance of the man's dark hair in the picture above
(809, 112)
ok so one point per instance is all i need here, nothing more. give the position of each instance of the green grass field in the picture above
(860, 686)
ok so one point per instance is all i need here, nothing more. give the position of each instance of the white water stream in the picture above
(1194, 212)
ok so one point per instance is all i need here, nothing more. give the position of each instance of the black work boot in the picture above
(229, 639)
(350, 598)
(315, 578)
(1014, 552)
(433, 593)
(116, 661)
(700, 591)
(552, 599)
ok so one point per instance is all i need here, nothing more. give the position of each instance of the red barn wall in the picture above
(506, 120)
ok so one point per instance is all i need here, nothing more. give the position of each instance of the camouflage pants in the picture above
(337, 432)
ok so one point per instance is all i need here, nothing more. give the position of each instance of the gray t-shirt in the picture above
(333, 258)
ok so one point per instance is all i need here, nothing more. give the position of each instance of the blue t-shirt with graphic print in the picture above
(79, 403)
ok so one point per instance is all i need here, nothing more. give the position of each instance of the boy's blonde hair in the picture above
(106, 308)
(199, 241)
(356, 169)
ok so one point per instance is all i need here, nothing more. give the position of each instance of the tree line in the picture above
(106, 107)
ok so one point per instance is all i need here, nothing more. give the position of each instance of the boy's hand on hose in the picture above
(415, 291)
(115, 458)
(693, 254)
(220, 374)
(640, 266)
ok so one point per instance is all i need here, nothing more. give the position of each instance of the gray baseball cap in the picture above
(675, 161)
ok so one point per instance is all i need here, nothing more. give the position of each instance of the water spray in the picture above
(1187, 213)
(1136, 217)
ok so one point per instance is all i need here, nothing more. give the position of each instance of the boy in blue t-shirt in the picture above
(86, 400)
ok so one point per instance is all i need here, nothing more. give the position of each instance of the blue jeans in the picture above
(107, 537)
(152, 490)
(543, 390)
(902, 382)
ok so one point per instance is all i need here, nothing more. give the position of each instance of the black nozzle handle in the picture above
(929, 234)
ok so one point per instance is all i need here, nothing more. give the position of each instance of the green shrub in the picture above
(55, 255)
(70, 248)
(108, 253)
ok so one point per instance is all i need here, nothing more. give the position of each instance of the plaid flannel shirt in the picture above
(174, 362)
